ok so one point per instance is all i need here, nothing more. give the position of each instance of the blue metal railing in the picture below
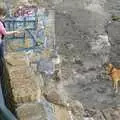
(15, 23)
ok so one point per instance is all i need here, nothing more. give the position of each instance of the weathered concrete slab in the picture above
(31, 111)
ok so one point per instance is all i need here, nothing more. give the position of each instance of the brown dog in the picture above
(114, 73)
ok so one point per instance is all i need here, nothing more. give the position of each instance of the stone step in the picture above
(31, 111)
(22, 82)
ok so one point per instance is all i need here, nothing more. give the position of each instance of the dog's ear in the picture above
(105, 64)
(110, 65)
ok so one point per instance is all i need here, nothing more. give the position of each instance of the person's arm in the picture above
(4, 32)
(11, 32)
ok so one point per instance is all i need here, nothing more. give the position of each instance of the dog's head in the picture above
(109, 68)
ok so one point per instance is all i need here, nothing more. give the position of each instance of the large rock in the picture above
(53, 94)
(53, 97)
(73, 109)
(36, 111)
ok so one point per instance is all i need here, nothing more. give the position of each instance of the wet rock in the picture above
(77, 109)
(89, 112)
(112, 114)
(54, 97)
(98, 116)
(56, 76)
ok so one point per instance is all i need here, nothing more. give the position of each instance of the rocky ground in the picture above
(87, 37)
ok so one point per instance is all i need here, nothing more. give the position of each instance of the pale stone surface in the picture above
(31, 111)
(61, 113)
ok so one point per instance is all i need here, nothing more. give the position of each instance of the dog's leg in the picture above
(113, 84)
(116, 86)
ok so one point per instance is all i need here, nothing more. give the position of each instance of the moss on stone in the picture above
(115, 18)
